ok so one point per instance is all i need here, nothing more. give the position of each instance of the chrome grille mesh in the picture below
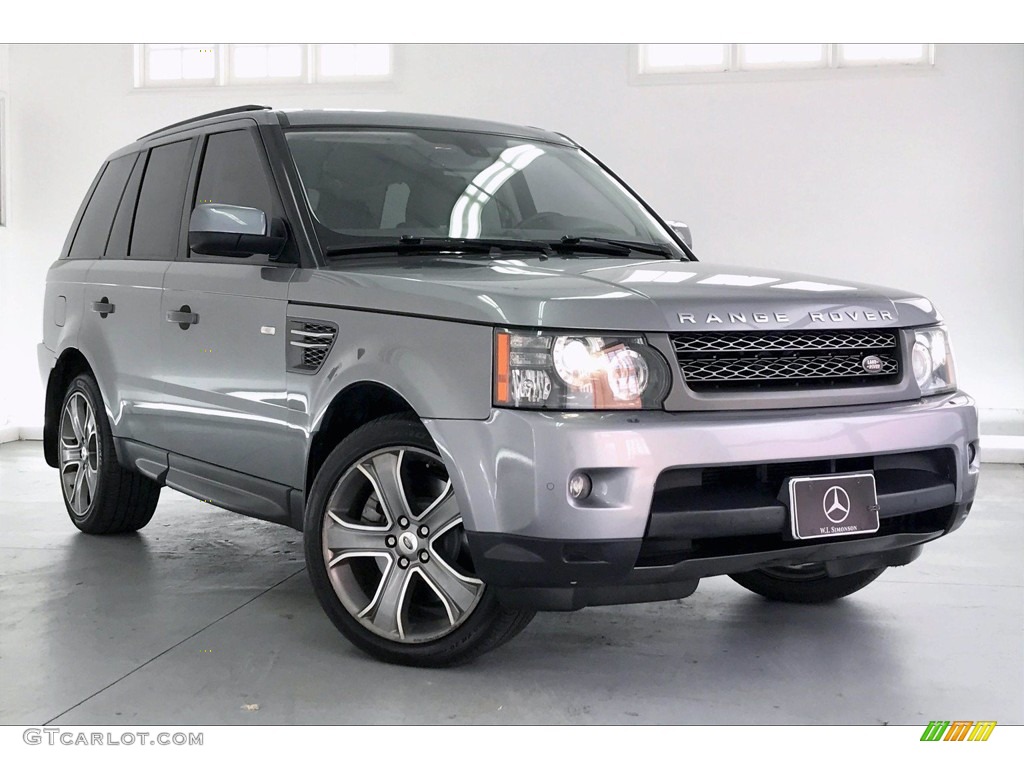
(784, 342)
(787, 359)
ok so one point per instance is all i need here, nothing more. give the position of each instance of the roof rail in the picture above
(197, 118)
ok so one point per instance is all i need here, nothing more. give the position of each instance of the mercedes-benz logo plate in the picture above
(833, 505)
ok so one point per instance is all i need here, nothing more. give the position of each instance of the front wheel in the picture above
(806, 583)
(387, 554)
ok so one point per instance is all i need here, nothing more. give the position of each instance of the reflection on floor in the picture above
(205, 613)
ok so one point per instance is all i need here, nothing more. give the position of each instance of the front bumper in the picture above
(627, 543)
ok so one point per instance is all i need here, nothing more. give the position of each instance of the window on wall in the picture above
(276, 61)
(856, 54)
(180, 64)
(199, 64)
(670, 58)
(762, 55)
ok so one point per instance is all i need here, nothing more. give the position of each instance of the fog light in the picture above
(580, 485)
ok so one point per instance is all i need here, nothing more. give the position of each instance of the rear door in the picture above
(224, 372)
(120, 329)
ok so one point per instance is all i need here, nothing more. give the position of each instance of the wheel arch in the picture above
(70, 364)
(357, 404)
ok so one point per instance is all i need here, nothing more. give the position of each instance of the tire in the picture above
(99, 494)
(387, 555)
(808, 583)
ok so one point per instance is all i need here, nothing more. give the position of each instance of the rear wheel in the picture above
(99, 494)
(387, 554)
(806, 583)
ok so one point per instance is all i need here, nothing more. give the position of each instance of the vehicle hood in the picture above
(657, 295)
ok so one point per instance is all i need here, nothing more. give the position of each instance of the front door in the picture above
(224, 335)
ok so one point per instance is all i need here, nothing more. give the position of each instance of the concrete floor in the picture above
(205, 612)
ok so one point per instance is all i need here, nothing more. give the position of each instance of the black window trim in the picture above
(117, 208)
(77, 224)
(182, 227)
(301, 232)
(66, 252)
(252, 128)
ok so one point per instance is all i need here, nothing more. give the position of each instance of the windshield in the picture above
(397, 183)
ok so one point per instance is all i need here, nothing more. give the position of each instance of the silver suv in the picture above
(483, 377)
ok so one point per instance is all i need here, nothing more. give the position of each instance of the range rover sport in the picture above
(483, 378)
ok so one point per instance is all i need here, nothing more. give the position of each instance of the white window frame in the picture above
(831, 65)
(224, 76)
(143, 80)
(739, 51)
(645, 68)
(927, 58)
(304, 76)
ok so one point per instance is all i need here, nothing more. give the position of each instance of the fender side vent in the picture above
(309, 343)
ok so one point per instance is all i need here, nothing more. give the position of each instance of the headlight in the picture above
(535, 369)
(932, 360)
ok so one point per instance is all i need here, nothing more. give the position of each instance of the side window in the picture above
(91, 239)
(232, 173)
(117, 244)
(161, 200)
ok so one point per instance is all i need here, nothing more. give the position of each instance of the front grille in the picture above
(309, 344)
(787, 359)
(787, 341)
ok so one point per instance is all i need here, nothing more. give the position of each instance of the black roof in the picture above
(356, 118)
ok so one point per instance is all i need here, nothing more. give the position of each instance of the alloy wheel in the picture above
(79, 454)
(395, 548)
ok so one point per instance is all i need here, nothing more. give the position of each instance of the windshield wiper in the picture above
(609, 246)
(413, 246)
(569, 245)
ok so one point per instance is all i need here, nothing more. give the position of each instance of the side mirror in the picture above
(233, 230)
(683, 231)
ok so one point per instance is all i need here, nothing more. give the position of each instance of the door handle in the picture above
(184, 317)
(103, 306)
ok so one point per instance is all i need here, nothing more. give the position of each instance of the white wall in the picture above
(912, 180)
(7, 432)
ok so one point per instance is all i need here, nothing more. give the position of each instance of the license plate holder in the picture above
(822, 506)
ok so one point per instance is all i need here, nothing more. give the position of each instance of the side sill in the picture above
(218, 486)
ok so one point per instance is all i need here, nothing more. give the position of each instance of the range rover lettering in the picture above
(483, 378)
